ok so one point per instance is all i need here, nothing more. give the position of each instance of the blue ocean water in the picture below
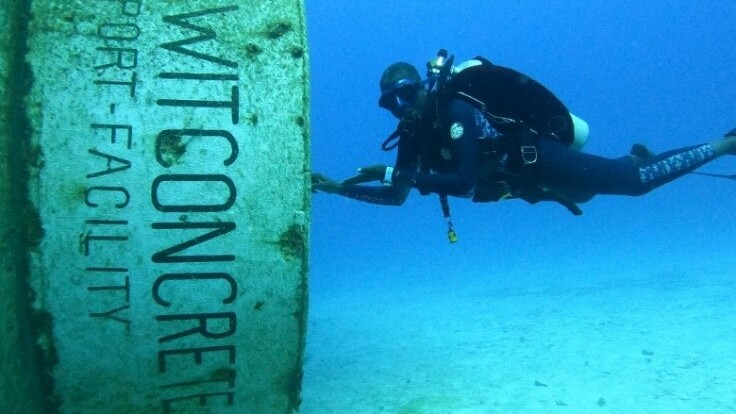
(660, 265)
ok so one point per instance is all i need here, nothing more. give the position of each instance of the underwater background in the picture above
(626, 309)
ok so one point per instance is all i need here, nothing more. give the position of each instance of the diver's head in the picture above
(402, 90)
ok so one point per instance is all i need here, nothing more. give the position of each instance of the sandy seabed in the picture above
(656, 345)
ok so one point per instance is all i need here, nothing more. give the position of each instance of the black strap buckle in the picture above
(529, 154)
(504, 190)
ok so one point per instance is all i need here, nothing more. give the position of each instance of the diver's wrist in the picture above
(388, 176)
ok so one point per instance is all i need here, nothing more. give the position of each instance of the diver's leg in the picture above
(563, 169)
(670, 165)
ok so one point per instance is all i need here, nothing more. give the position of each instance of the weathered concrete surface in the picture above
(171, 179)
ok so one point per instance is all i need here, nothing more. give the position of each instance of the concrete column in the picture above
(19, 382)
(169, 187)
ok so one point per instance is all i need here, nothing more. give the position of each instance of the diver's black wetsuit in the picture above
(445, 157)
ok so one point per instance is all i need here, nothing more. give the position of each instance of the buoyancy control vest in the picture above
(523, 110)
(509, 97)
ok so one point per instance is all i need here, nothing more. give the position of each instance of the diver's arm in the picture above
(406, 175)
(391, 195)
(388, 195)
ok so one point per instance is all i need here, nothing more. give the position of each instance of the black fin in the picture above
(640, 151)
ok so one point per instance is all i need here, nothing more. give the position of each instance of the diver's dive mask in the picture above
(399, 97)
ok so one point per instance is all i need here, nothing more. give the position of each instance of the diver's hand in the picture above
(368, 174)
(321, 182)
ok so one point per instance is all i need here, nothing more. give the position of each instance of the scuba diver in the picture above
(489, 133)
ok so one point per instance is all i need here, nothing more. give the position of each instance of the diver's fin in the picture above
(726, 176)
(641, 152)
(731, 133)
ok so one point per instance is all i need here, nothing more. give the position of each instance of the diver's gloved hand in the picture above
(367, 174)
(321, 182)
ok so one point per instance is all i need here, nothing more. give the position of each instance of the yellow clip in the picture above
(452, 236)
